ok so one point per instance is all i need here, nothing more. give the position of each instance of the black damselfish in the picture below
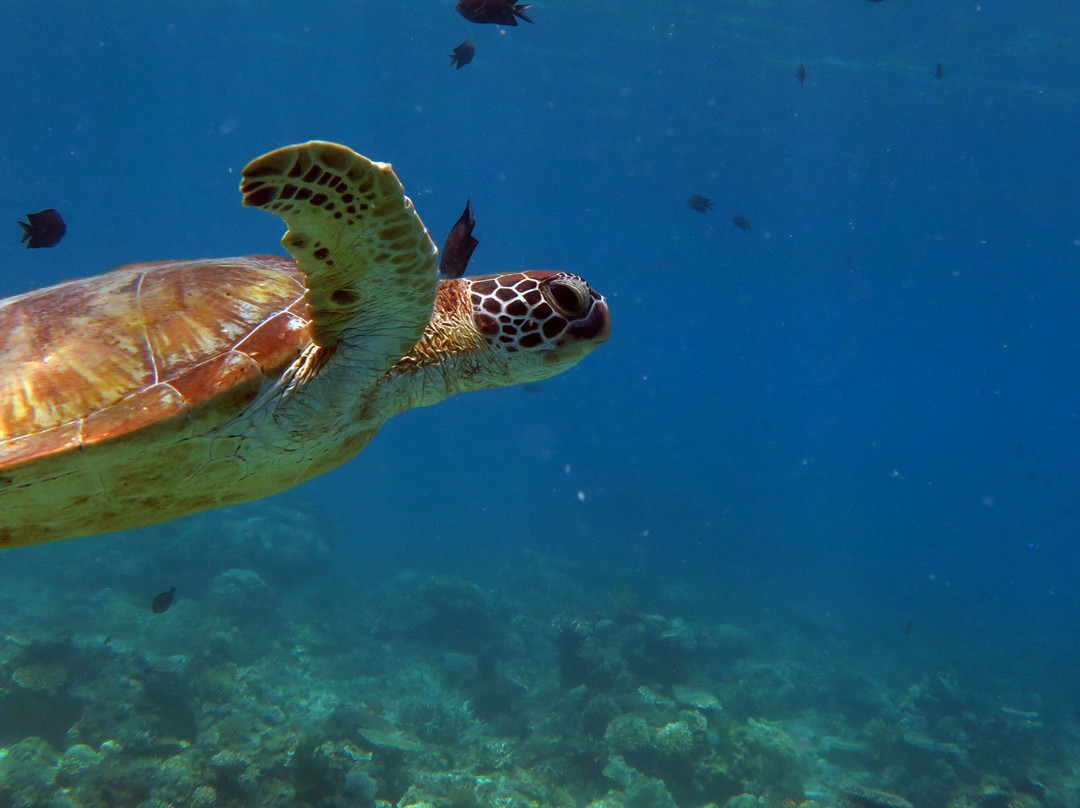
(699, 203)
(163, 601)
(463, 54)
(459, 245)
(43, 229)
(499, 12)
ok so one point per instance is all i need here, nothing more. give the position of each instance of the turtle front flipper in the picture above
(367, 259)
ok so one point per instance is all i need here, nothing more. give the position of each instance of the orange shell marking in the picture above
(103, 356)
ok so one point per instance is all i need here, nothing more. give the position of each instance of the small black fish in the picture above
(499, 12)
(741, 222)
(463, 54)
(163, 601)
(43, 229)
(800, 74)
(699, 203)
(908, 626)
(939, 71)
(459, 246)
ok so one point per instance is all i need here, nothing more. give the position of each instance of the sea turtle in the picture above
(161, 389)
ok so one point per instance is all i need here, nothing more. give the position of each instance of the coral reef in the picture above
(434, 692)
(861, 797)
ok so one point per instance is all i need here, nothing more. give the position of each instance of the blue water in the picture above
(858, 416)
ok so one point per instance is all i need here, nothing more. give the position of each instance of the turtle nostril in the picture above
(567, 298)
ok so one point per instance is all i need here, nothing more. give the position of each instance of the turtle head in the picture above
(498, 330)
(541, 322)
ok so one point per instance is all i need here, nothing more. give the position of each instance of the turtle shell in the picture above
(144, 355)
(160, 390)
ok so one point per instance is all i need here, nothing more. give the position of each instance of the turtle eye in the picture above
(570, 298)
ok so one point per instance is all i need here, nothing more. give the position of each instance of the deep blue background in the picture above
(863, 411)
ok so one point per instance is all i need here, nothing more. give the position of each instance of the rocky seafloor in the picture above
(271, 681)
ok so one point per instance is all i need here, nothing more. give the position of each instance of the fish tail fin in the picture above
(521, 8)
(25, 231)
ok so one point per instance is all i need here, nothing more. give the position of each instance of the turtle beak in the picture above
(585, 309)
(596, 325)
